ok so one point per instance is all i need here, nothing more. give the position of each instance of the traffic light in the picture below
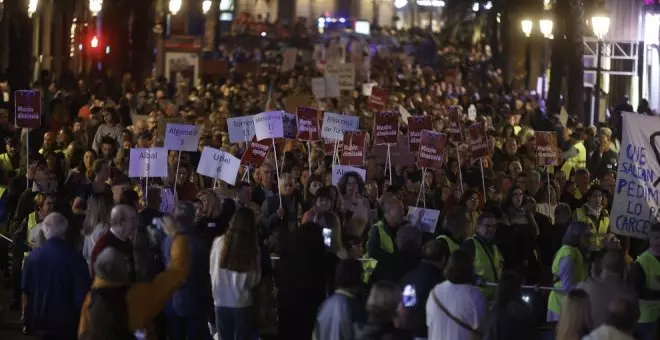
(94, 43)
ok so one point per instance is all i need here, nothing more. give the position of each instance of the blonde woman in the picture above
(235, 271)
(575, 319)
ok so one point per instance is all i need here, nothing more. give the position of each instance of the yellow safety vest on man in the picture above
(386, 244)
(5, 163)
(599, 227)
(487, 265)
(453, 246)
(649, 310)
(31, 223)
(579, 274)
(578, 161)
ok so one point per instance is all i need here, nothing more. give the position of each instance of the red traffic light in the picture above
(94, 43)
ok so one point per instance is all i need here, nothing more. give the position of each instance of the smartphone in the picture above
(327, 236)
(409, 296)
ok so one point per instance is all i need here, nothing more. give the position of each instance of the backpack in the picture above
(108, 315)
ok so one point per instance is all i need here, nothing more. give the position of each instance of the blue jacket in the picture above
(194, 298)
(55, 280)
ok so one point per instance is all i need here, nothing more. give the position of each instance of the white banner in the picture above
(340, 170)
(636, 197)
(240, 129)
(181, 137)
(148, 162)
(345, 73)
(334, 125)
(268, 125)
(424, 219)
(218, 164)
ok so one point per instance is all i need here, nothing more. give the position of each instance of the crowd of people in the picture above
(286, 254)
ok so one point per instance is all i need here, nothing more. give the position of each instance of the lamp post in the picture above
(527, 25)
(600, 24)
(545, 26)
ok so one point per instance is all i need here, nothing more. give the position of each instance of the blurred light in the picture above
(95, 6)
(32, 7)
(488, 5)
(342, 20)
(545, 25)
(526, 298)
(263, 34)
(398, 4)
(226, 5)
(526, 26)
(600, 24)
(499, 17)
(79, 47)
(475, 7)
(107, 49)
(206, 6)
(430, 3)
(174, 6)
(321, 20)
(94, 43)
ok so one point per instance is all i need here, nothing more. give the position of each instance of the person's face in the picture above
(511, 146)
(47, 207)
(106, 150)
(11, 150)
(182, 176)
(596, 199)
(131, 224)
(107, 118)
(560, 177)
(314, 187)
(487, 228)
(152, 124)
(287, 186)
(608, 181)
(328, 180)
(351, 186)
(395, 214)
(118, 190)
(89, 159)
(428, 178)
(267, 175)
(45, 178)
(62, 139)
(323, 204)
(472, 203)
(582, 181)
(49, 141)
(304, 177)
(77, 127)
(127, 145)
(200, 144)
(515, 168)
(51, 161)
(654, 241)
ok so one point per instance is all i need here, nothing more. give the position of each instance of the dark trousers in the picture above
(236, 323)
(182, 328)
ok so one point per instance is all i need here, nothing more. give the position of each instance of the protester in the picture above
(340, 313)
(646, 267)
(456, 308)
(488, 261)
(235, 272)
(55, 280)
(114, 305)
(383, 314)
(622, 315)
(511, 317)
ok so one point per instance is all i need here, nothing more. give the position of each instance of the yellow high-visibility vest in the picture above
(484, 268)
(453, 246)
(579, 274)
(649, 310)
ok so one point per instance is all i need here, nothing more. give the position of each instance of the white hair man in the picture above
(123, 223)
(142, 300)
(55, 281)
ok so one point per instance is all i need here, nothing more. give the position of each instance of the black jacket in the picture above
(422, 279)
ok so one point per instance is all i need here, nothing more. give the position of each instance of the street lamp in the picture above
(206, 6)
(527, 25)
(545, 25)
(174, 6)
(32, 7)
(600, 24)
(95, 6)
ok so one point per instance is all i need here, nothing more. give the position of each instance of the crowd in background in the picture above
(96, 254)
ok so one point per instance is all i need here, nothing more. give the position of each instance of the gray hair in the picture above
(409, 239)
(112, 265)
(573, 233)
(54, 225)
(384, 299)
